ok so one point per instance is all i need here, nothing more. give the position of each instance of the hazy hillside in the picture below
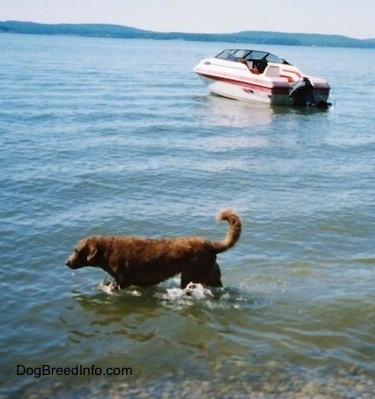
(124, 32)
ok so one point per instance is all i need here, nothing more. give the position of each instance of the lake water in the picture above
(106, 136)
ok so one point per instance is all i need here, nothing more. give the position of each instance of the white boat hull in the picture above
(245, 92)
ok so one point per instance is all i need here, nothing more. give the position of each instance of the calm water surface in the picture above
(103, 136)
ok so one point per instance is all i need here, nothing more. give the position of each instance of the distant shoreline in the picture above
(125, 32)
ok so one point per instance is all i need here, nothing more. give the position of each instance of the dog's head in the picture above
(84, 254)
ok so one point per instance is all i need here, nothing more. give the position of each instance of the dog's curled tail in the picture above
(234, 231)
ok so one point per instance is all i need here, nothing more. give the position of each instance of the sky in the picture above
(353, 18)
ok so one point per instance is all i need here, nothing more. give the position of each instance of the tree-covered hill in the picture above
(125, 32)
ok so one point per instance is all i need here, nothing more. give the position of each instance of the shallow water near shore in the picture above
(105, 136)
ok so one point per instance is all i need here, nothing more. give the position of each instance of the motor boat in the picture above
(254, 75)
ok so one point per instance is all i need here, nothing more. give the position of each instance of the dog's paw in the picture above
(196, 290)
(113, 286)
(109, 287)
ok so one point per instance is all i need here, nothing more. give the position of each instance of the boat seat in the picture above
(272, 71)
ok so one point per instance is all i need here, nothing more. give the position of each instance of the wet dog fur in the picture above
(144, 262)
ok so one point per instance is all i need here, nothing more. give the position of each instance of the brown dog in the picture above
(144, 261)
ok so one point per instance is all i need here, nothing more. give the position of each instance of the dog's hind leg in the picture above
(191, 275)
(213, 279)
(186, 278)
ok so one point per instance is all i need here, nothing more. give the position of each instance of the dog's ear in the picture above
(92, 250)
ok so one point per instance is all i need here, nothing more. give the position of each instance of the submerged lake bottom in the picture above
(273, 385)
(194, 368)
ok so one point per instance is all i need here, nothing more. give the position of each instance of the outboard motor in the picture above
(302, 93)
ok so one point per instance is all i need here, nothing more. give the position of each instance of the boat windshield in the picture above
(250, 55)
